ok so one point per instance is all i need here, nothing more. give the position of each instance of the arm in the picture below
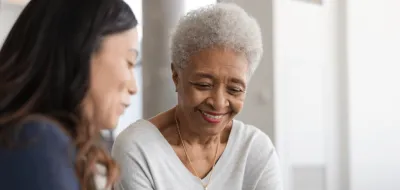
(44, 161)
(267, 164)
(271, 178)
(133, 166)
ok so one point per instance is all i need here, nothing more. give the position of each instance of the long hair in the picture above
(45, 70)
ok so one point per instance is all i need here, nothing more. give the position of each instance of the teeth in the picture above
(213, 116)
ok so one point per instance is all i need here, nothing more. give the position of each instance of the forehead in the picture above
(219, 62)
(121, 42)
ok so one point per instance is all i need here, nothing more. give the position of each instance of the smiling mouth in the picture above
(212, 118)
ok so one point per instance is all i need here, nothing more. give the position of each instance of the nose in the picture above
(218, 99)
(131, 85)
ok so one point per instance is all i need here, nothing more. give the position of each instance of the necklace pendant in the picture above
(205, 188)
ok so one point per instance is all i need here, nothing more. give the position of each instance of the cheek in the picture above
(106, 87)
(192, 97)
(236, 105)
(118, 78)
(114, 79)
(104, 109)
(101, 102)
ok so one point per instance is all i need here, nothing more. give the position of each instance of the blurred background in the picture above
(327, 90)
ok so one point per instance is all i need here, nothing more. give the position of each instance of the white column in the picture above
(159, 19)
(337, 131)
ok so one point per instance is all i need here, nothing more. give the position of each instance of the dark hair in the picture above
(45, 70)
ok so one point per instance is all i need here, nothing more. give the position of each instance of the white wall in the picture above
(306, 91)
(8, 15)
(374, 70)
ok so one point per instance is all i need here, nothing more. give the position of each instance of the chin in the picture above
(212, 128)
(114, 125)
(109, 125)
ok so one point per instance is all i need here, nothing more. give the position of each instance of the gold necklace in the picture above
(205, 186)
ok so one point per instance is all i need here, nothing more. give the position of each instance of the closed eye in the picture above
(235, 90)
(202, 86)
(131, 64)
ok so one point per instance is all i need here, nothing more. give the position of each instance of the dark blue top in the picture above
(43, 160)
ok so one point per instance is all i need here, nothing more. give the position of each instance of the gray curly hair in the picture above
(218, 25)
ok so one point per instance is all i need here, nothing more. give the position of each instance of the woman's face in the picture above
(211, 89)
(112, 79)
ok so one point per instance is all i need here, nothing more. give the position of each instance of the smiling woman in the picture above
(198, 144)
(211, 89)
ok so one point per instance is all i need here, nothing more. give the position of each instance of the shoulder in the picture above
(44, 151)
(42, 138)
(252, 134)
(38, 130)
(134, 146)
(252, 138)
(132, 149)
(138, 134)
(262, 167)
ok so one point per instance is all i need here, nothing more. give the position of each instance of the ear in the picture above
(175, 76)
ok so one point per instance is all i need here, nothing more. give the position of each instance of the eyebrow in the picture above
(204, 75)
(134, 50)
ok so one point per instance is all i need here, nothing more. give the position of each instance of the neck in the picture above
(191, 137)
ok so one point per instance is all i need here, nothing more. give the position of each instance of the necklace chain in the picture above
(205, 186)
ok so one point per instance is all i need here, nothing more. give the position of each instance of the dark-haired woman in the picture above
(66, 72)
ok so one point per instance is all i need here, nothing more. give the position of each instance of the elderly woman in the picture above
(198, 144)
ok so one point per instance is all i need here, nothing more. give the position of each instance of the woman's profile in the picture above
(66, 72)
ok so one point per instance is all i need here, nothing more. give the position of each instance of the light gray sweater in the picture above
(148, 162)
